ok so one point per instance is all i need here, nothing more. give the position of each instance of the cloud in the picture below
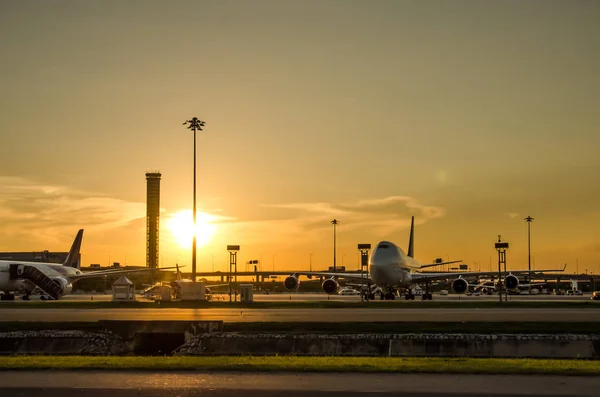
(36, 216)
(32, 211)
(307, 222)
(392, 204)
(316, 208)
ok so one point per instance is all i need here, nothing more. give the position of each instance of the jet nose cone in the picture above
(377, 273)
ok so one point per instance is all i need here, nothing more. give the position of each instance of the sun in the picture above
(181, 226)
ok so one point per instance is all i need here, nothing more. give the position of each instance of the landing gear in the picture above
(367, 295)
(367, 292)
(7, 297)
(427, 296)
(389, 295)
(409, 296)
(25, 295)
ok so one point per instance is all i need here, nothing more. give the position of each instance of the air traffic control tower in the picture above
(152, 218)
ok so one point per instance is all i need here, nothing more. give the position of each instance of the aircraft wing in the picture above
(347, 276)
(421, 277)
(102, 273)
(425, 277)
(530, 285)
(217, 287)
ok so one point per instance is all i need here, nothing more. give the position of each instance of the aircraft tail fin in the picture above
(178, 272)
(74, 255)
(411, 240)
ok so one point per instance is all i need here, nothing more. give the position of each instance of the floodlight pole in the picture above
(501, 247)
(233, 250)
(364, 271)
(195, 125)
(529, 219)
(334, 222)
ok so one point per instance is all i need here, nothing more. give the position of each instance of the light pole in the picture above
(529, 220)
(195, 125)
(334, 223)
(501, 247)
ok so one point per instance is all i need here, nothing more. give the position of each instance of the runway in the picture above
(308, 315)
(231, 384)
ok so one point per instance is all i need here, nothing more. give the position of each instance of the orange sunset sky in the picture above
(470, 115)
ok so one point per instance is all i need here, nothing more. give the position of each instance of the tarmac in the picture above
(232, 384)
(298, 297)
(308, 315)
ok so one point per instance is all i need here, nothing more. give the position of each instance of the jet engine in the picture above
(66, 286)
(330, 286)
(460, 285)
(291, 282)
(511, 281)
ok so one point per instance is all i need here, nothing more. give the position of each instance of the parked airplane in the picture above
(178, 285)
(396, 272)
(54, 279)
(488, 285)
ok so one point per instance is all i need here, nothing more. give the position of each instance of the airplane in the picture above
(396, 272)
(54, 279)
(178, 285)
(488, 286)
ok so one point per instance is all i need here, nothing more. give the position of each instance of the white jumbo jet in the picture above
(54, 279)
(396, 272)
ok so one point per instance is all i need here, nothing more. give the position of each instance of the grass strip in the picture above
(400, 304)
(307, 364)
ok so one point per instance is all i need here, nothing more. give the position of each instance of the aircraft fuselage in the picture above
(389, 266)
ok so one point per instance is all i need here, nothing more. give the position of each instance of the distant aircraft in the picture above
(396, 272)
(178, 286)
(54, 279)
(512, 285)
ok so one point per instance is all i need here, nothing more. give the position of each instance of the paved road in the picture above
(306, 315)
(129, 384)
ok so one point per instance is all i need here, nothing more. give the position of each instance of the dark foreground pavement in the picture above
(233, 384)
(233, 393)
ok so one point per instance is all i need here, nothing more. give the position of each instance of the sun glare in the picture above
(181, 227)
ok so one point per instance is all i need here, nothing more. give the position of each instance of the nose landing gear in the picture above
(388, 295)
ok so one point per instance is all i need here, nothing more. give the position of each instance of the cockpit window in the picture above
(383, 246)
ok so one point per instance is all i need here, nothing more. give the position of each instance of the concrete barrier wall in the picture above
(61, 343)
(433, 345)
(423, 345)
(127, 329)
